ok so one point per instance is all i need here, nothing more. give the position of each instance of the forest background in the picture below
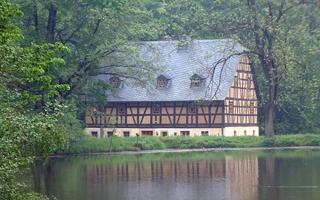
(52, 50)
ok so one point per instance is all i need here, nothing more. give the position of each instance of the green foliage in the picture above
(180, 17)
(9, 32)
(298, 105)
(96, 32)
(24, 82)
(26, 69)
(71, 123)
(22, 138)
(284, 34)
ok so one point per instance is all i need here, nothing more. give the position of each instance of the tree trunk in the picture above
(269, 121)
(37, 180)
(271, 107)
(51, 23)
(36, 19)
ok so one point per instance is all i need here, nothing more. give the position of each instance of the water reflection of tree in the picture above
(41, 177)
(271, 177)
(36, 179)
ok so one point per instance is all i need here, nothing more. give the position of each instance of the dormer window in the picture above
(162, 81)
(115, 81)
(196, 80)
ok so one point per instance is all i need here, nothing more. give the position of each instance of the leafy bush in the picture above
(268, 142)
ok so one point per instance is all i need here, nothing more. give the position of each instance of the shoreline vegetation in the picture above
(91, 145)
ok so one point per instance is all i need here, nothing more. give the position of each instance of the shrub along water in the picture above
(90, 144)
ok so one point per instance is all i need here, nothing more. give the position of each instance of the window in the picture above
(121, 110)
(204, 133)
(94, 133)
(147, 133)
(195, 80)
(115, 81)
(175, 133)
(162, 81)
(156, 109)
(126, 134)
(192, 109)
(110, 133)
(231, 107)
(185, 133)
(251, 107)
(164, 133)
(248, 83)
(236, 81)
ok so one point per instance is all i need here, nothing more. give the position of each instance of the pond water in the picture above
(235, 175)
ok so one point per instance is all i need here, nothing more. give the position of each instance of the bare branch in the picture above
(222, 61)
(97, 26)
(75, 31)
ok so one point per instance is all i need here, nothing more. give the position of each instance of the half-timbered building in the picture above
(206, 87)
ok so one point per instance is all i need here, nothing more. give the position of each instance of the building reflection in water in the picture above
(242, 178)
(229, 178)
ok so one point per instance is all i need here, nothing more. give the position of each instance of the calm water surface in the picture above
(236, 175)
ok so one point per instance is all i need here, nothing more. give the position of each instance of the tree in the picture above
(267, 30)
(96, 32)
(298, 109)
(264, 27)
(26, 132)
(180, 17)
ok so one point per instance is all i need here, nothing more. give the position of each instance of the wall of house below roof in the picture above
(241, 131)
(168, 115)
(227, 131)
(241, 103)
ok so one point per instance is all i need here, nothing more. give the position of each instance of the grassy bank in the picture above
(89, 144)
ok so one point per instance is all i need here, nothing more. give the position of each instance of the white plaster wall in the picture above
(157, 131)
(227, 131)
(240, 131)
(89, 130)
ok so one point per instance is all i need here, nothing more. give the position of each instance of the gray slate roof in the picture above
(179, 66)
